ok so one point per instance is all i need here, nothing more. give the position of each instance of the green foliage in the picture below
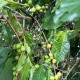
(26, 70)
(61, 46)
(3, 54)
(40, 38)
(14, 22)
(39, 74)
(64, 13)
(3, 3)
(7, 72)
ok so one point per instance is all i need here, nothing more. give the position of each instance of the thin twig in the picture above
(77, 60)
(17, 16)
(75, 74)
(13, 30)
(17, 13)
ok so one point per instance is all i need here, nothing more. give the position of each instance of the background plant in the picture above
(39, 39)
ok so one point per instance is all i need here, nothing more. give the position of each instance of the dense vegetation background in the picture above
(39, 39)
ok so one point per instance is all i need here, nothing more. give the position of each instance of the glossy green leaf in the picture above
(7, 33)
(7, 72)
(64, 10)
(28, 49)
(2, 67)
(4, 54)
(29, 38)
(48, 74)
(26, 70)
(68, 11)
(21, 61)
(14, 22)
(39, 74)
(61, 46)
(3, 3)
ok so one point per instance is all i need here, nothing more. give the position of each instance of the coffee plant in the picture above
(39, 39)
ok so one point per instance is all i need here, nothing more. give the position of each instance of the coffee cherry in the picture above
(14, 73)
(43, 7)
(48, 46)
(51, 42)
(23, 48)
(59, 74)
(41, 10)
(18, 45)
(56, 77)
(49, 60)
(46, 61)
(50, 54)
(52, 78)
(46, 7)
(19, 35)
(19, 51)
(37, 66)
(44, 11)
(14, 68)
(54, 61)
(17, 57)
(33, 9)
(38, 7)
(51, 57)
(30, 2)
(14, 46)
(46, 56)
(44, 45)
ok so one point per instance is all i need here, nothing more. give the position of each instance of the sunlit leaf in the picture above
(26, 70)
(14, 22)
(21, 61)
(39, 74)
(7, 72)
(4, 54)
(61, 46)
(3, 3)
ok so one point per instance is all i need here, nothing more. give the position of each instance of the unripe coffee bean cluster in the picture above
(49, 58)
(36, 8)
(56, 77)
(19, 49)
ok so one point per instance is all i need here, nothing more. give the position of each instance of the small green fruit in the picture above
(38, 7)
(59, 74)
(50, 54)
(18, 45)
(14, 46)
(46, 56)
(46, 61)
(14, 73)
(49, 60)
(33, 9)
(43, 7)
(46, 7)
(52, 78)
(37, 66)
(19, 51)
(14, 68)
(42, 43)
(51, 42)
(44, 46)
(23, 48)
(30, 2)
(54, 61)
(17, 57)
(41, 10)
(56, 77)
